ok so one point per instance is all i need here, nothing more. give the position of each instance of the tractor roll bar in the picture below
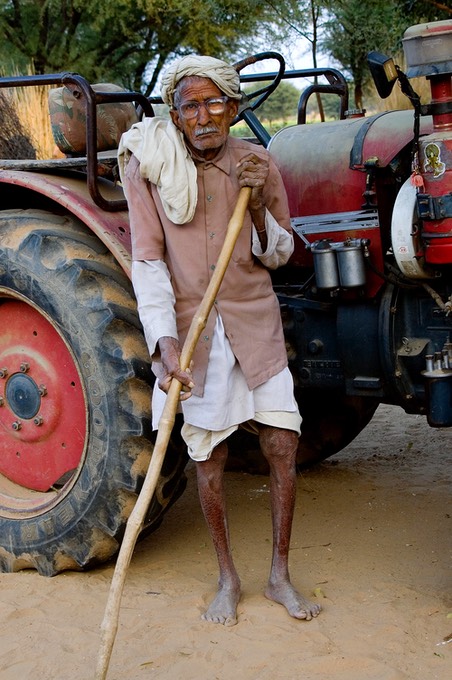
(92, 100)
(336, 85)
(81, 88)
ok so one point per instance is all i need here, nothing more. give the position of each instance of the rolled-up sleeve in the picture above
(280, 244)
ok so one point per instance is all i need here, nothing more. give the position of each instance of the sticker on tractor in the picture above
(433, 161)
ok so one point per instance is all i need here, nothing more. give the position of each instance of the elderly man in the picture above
(182, 179)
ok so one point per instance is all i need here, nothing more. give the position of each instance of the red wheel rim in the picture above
(43, 415)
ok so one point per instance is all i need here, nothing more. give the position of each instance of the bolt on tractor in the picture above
(366, 298)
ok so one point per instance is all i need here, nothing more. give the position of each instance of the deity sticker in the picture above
(433, 161)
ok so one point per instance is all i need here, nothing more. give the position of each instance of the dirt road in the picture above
(372, 539)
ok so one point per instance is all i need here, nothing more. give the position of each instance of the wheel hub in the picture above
(42, 403)
(22, 396)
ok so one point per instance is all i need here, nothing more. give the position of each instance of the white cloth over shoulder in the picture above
(165, 161)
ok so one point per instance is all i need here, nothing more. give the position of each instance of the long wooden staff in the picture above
(109, 625)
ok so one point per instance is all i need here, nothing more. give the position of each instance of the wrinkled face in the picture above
(206, 132)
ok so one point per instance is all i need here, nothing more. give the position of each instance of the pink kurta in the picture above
(246, 302)
(172, 262)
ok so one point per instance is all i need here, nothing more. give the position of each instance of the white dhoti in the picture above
(227, 402)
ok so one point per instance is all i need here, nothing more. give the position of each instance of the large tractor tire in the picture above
(75, 390)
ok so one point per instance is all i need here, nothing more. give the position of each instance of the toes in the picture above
(230, 621)
(307, 612)
(224, 620)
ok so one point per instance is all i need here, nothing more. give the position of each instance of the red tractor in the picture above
(366, 298)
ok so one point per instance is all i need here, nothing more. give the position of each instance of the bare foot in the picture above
(299, 607)
(223, 608)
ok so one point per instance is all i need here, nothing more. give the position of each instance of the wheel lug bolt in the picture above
(3, 372)
(42, 389)
(38, 420)
(24, 367)
(17, 425)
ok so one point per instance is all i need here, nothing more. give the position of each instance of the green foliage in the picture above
(125, 41)
(280, 105)
(356, 28)
(331, 105)
(130, 41)
(421, 11)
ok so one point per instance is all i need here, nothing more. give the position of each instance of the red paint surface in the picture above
(37, 456)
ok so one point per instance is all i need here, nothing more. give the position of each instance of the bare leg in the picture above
(279, 447)
(223, 608)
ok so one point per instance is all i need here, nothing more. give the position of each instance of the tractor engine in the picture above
(369, 320)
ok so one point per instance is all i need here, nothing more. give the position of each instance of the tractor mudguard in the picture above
(112, 228)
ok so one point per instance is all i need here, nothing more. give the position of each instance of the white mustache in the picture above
(204, 131)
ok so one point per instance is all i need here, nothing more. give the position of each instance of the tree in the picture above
(280, 105)
(130, 41)
(356, 28)
(421, 11)
(127, 41)
(304, 20)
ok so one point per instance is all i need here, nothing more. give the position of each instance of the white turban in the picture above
(159, 146)
(219, 72)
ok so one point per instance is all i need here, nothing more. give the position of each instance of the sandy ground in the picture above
(372, 539)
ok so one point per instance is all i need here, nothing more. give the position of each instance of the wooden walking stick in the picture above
(135, 522)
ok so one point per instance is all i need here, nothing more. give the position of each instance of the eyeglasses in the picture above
(215, 106)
